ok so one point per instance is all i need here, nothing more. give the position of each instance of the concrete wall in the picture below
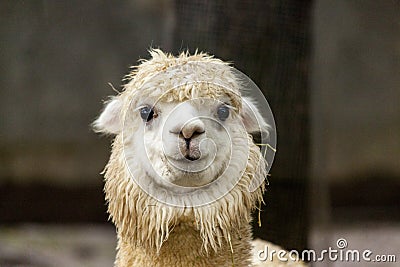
(56, 60)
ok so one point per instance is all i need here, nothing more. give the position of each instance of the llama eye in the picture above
(223, 112)
(147, 113)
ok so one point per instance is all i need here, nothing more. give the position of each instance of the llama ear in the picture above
(109, 121)
(252, 119)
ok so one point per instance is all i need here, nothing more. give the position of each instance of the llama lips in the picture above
(193, 154)
(191, 158)
(187, 158)
(191, 161)
(190, 149)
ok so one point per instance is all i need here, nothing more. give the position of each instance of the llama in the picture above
(184, 173)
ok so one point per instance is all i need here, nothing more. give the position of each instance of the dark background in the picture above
(329, 70)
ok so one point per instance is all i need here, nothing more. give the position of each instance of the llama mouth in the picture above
(188, 158)
(192, 158)
(189, 163)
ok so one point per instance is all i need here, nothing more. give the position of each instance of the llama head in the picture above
(184, 123)
(183, 138)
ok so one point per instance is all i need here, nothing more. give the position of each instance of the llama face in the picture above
(184, 127)
(188, 143)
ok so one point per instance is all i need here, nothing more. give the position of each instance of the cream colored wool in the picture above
(151, 233)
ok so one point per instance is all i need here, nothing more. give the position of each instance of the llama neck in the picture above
(184, 247)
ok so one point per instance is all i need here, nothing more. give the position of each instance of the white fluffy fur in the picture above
(156, 199)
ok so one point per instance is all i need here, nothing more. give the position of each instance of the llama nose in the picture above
(192, 129)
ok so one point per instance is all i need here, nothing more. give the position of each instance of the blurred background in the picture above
(329, 70)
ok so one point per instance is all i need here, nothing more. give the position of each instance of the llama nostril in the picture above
(190, 134)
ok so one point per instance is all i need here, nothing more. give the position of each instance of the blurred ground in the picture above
(37, 245)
